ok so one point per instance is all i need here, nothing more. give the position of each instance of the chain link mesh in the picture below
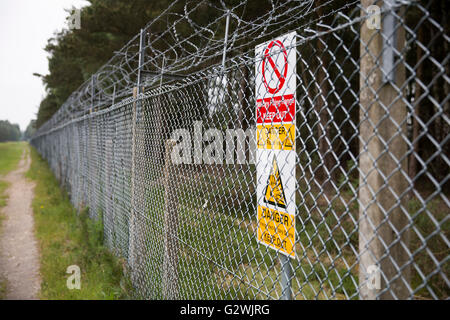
(372, 151)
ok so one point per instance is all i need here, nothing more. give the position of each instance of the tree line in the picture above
(9, 131)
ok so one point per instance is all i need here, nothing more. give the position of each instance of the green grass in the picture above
(67, 238)
(433, 225)
(10, 153)
(3, 186)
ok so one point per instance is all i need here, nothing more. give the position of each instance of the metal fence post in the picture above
(225, 42)
(141, 59)
(286, 277)
(107, 193)
(170, 264)
(383, 234)
(132, 229)
(133, 232)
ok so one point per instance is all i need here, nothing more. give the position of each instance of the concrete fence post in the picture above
(383, 231)
(107, 215)
(170, 263)
(132, 236)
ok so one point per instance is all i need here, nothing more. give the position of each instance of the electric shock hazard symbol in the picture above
(274, 193)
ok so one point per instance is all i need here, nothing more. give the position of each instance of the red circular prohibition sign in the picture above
(281, 77)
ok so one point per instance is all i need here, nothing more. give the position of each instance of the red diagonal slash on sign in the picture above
(281, 77)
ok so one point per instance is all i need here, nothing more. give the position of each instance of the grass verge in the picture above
(67, 238)
(10, 153)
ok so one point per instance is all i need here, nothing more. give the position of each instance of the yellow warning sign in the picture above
(276, 137)
(276, 154)
(276, 229)
(274, 193)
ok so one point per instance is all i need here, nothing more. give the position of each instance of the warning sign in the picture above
(276, 79)
(276, 229)
(275, 85)
(277, 137)
(274, 190)
(276, 185)
(275, 109)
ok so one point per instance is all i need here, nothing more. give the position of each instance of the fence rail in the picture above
(371, 146)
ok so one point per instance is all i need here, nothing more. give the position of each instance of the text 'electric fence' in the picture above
(269, 150)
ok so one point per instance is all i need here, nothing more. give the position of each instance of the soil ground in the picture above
(19, 255)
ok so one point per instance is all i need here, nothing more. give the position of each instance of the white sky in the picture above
(25, 26)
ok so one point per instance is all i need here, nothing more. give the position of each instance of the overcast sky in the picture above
(25, 26)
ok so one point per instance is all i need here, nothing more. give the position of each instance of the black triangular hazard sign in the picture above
(274, 193)
(290, 141)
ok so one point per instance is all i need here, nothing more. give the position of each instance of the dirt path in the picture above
(19, 255)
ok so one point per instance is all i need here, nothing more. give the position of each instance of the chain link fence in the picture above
(371, 151)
